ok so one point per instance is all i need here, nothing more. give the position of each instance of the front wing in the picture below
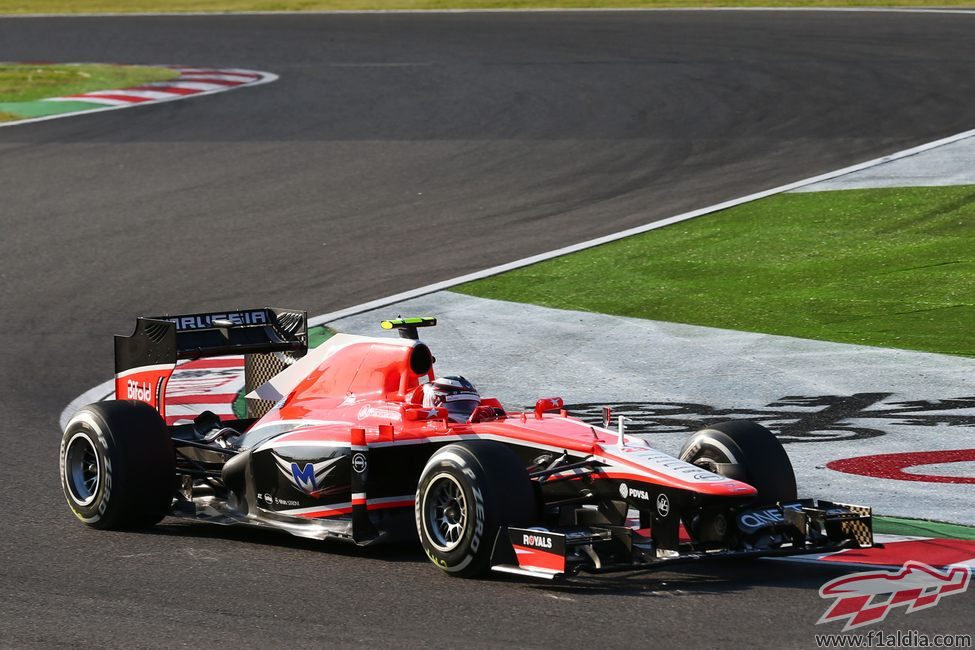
(794, 528)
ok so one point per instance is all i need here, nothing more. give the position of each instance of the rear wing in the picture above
(269, 339)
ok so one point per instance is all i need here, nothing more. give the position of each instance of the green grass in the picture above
(921, 528)
(318, 335)
(884, 267)
(24, 82)
(127, 6)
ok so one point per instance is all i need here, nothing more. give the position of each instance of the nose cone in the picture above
(661, 468)
(731, 488)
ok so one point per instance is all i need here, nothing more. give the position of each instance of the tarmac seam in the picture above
(537, 10)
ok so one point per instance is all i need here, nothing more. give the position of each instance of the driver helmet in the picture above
(453, 393)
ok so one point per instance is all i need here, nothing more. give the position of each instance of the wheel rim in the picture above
(445, 512)
(82, 469)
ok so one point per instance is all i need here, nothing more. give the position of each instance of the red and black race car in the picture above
(340, 443)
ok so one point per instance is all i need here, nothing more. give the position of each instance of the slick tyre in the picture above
(745, 451)
(117, 465)
(467, 491)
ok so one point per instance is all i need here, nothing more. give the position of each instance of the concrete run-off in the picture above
(949, 164)
(827, 401)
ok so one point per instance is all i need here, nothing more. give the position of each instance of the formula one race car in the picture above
(342, 442)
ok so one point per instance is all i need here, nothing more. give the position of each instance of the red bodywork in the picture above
(146, 384)
(371, 383)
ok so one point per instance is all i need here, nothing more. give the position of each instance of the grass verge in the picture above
(132, 6)
(29, 82)
(884, 267)
(921, 528)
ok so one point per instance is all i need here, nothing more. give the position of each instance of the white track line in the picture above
(101, 392)
(527, 261)
(93, 94)
(539, 10)
(121, 103)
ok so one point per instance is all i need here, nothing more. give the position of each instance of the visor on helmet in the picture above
(460, 405)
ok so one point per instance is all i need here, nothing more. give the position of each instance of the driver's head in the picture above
(455, 394)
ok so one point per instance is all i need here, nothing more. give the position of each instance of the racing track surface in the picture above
(398, 150)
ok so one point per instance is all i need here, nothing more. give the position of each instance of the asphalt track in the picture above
(395, 151)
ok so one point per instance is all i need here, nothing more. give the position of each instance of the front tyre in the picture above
(466, 493)
(118, 465)
(745, 451)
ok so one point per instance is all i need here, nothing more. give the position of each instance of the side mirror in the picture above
(484, 413)
(547, 404)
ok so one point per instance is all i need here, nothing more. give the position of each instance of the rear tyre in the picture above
(117, 465)
(466, 493)
(745, 451)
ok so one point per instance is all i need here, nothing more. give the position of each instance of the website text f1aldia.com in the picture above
(895, 639)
